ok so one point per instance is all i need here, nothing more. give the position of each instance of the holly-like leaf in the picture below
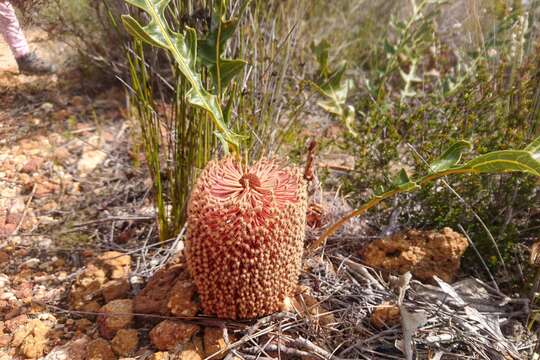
(212, 47)
(335, 91)
(183, 48)
(321, 51)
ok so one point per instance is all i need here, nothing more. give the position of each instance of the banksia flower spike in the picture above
(245, 236)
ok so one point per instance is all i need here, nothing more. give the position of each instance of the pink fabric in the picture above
(11, 30)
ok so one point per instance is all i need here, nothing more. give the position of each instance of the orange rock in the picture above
(116, 289)
(160, 356)
(423, 253)
(116, 264)
(193, 350)
(31, 339)
(214, 343)
(12, 324)
(4, 257)
(100, 349)
(43, 188)
(73, 350)
(125, 342)
(119, 315)
(83, 324)
(5, 339)
(24, 291)
(181, 301)
(61, 154)
(87, 287)
(168, 334)
(91, 307)
(153, 298)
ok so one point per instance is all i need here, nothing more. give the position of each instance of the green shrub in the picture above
(90, 28)
(420, 85)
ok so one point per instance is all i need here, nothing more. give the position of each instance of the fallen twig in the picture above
(27, 205)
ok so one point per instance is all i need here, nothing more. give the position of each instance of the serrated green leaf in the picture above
(321, 51)
(135, 29)
(401, 178)
(183, 48)
(335, 91)
(329, 105)
(212, 47)
(451, 156)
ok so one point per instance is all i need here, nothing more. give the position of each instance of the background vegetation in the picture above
(418, 74)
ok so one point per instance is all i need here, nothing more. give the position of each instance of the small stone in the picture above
(385, 315)
(109, 324)
(32, 165)
(87, 287)
(5, 339)
(91, 307)
(125, 342)
(83, 325)
(154, 297)
(214, 343)
(73, 350)
(89, 161)
(4, 257)
(31, 338)
(4, 281)
(43, 189)
(116, 264)
(12, 324)
(193, 350)
(181, 301)
(61, 154)
(99, 349)
(160, 356)
(168, 334)
(30, 263)
(116, 289)
(47, 106)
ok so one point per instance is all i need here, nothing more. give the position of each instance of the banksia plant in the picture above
(245, 236)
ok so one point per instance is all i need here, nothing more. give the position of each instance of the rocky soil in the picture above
(82, 278)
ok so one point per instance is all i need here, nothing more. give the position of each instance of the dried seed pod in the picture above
(245, 235)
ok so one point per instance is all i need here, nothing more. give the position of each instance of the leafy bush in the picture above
(419, 86)
(89, 27)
